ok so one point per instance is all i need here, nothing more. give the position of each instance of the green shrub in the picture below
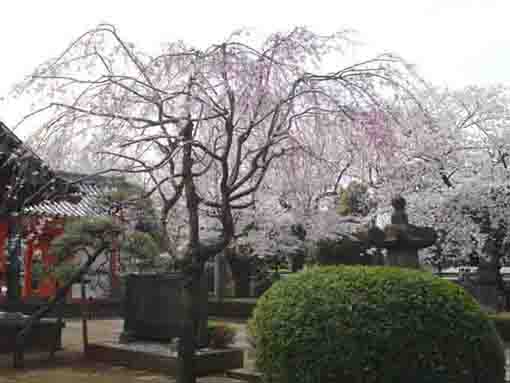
(502, 323)
(373, 324)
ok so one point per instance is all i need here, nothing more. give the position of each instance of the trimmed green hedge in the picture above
(373, 324)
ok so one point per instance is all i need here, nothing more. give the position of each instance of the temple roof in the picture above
(24, 177)
(29, 186)
(89, 205)
(93, 191)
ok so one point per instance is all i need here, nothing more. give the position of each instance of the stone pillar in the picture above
(253, 286)
(128, 313)
(219, 276)
(403, 258)
(487, 288)
(201, 312)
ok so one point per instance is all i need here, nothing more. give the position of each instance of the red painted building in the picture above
(44, 222)
(35, 203)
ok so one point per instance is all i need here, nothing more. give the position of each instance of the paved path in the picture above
(70, 366)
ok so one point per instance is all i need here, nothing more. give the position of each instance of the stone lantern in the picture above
(403, 240)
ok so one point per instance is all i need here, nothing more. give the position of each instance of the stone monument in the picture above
(154, 307)
(403, 240)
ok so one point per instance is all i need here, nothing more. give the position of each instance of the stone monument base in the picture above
(403, 258)
(162, 357)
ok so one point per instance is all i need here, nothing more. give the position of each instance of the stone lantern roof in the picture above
(401, 239)
(401, 234)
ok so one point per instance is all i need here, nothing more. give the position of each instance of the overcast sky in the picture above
(452, 42)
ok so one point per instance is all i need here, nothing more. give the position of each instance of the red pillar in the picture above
(3, 256)
(3, 239)
(28, 256)
(47, 286)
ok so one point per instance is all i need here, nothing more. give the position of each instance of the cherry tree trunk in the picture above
(186, 345)
(186, 349)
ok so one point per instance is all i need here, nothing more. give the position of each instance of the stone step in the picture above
(218, 379)
(245, 374)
